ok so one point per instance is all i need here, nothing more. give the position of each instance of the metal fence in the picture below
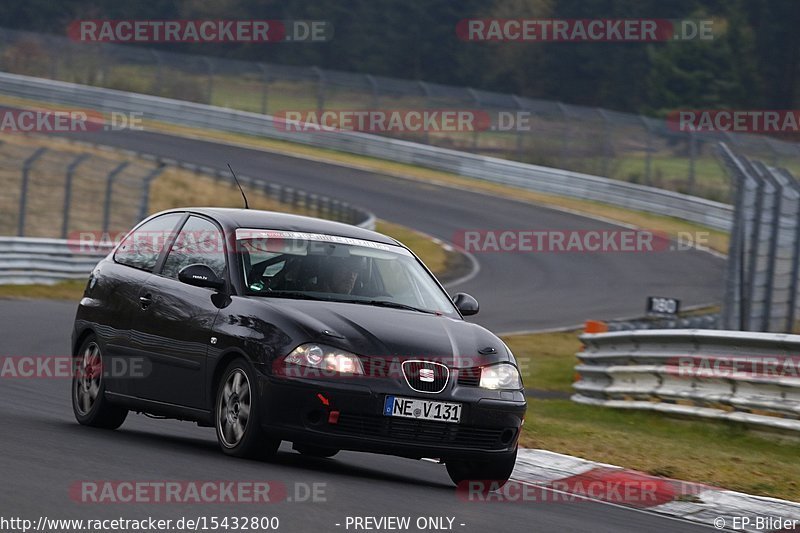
(726, 375)
(53, 192)
(491, 169)
(763, 270)
(53, 195)
(622, 146)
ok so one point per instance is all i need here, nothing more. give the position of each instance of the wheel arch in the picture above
(80, 339)
(220, 365)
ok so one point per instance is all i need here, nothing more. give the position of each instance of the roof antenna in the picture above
(239, 185)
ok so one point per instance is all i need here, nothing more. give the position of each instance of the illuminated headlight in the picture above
(503, 376)
(325, 358)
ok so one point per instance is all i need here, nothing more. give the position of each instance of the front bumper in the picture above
(300, 410)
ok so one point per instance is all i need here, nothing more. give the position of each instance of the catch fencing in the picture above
(50, 196)
(763, 268)
(627, 147)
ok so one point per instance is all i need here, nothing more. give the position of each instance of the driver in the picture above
(342, 275)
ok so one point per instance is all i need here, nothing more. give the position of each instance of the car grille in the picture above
(425, 376)
(469, 377)
(423, 431)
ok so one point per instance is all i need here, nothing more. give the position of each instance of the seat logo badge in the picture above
(426, 375)
(213, 340)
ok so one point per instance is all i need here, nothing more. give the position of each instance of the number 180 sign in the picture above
(661, 306)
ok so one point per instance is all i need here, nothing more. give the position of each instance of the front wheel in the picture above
(494, 472)
(89, 403)
(237, 415)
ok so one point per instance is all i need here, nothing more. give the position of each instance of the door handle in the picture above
(145, 301)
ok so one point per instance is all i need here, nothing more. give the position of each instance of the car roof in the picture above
(257, 219)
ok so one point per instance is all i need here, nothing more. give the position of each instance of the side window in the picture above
(142, 247)
(199, 241)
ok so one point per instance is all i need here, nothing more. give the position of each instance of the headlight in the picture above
(503, 376)
(325, 358)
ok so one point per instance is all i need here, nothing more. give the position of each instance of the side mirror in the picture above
(466, 304)
(200, 275)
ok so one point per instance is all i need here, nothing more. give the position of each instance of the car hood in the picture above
(384, 332)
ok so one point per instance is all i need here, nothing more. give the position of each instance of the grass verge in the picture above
(718, 453)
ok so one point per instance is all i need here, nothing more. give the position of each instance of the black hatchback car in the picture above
(272, 327)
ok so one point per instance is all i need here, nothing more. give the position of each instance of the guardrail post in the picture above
(145, 202)
(109, 190)
(68, 191)
(23, 193)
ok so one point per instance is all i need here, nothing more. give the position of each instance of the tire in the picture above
(495, 472)
(237, 415)
(89, 403)
(315, 451)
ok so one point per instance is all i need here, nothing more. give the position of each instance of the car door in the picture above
(118, 286)
(177, 319)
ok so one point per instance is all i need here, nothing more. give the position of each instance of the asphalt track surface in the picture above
(43, 451)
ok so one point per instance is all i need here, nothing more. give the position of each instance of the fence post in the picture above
(605, 170)
(68, 191)
(648, 154)
(692, 157)
(109, 190)
(735, 293)
(145, 202)
(774, 229)
(376, 102)
(755, 231)
(795, 270)
(210, 87)
(23, 194)
(427, 91)
(158, 79)
(320, 89)
(264, 87)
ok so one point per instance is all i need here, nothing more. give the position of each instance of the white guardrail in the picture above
(33, 260)
(752, 378)
(537, 178)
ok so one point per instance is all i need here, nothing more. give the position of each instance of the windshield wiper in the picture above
(297, 295)
(393, 305)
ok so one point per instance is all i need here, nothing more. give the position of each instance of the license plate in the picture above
(422, 409)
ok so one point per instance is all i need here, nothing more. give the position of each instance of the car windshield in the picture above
(283, 264)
